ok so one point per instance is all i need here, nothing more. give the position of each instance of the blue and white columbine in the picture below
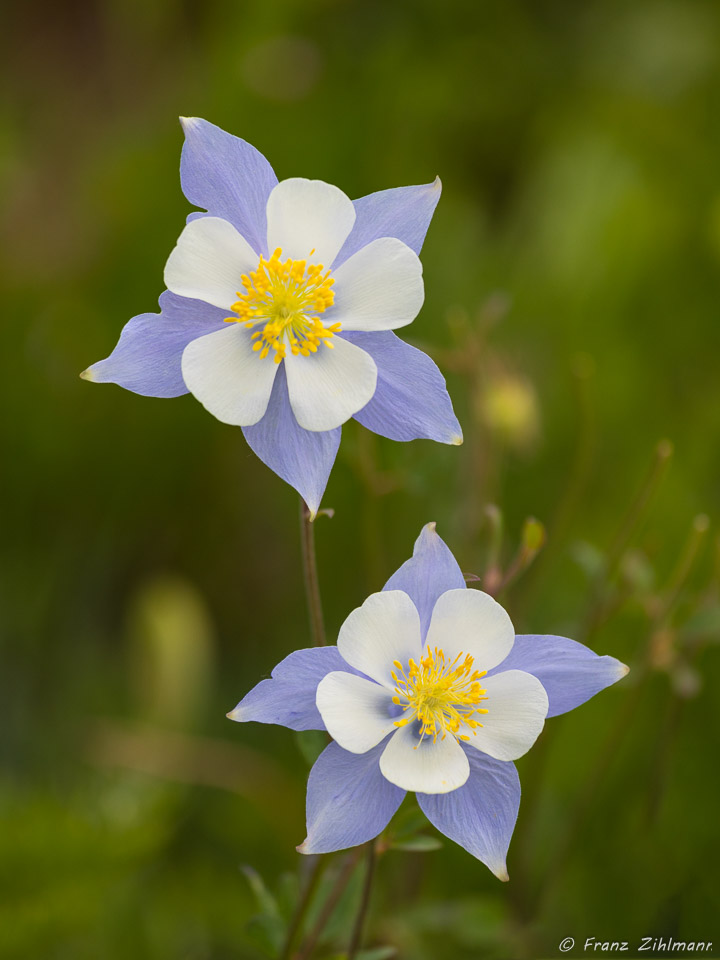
(279, 312)
(429, 690)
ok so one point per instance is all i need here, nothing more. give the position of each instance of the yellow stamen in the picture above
(442, 696)
(286, 298)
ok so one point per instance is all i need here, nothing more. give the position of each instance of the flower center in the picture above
(285, 297)
(442, 696)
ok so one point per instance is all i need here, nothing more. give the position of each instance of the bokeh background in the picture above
(150, 565)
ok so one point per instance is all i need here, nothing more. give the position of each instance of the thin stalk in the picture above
(714, 581)
(302, 906)
(665, 742)
(532, 542)
(663, 756)
(641, 672)
(663, 453)
(583, 375)
(312, 586)
(493, 572)
(635, 514)
(585, 448)
(328, 908)
(356, 938)
(683, 568)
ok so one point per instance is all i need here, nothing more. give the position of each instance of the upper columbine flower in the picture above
(279, 310)
(428, 689)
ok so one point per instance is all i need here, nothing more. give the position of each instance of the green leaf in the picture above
(265, 900)
(587, 556)
(408, 821)
(637, 571)
(288, 892)
(418, 844)
(375, 953)
(268, 933)
(703, 624)
(311, 744)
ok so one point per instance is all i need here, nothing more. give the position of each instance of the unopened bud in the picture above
(533, 535)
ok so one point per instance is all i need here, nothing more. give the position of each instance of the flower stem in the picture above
(312, 587)
(328, 908)
(302, 906)
(356, 938)
(685, 563)
(597, 604)
(661, 459)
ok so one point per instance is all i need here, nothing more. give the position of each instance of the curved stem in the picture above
(328, 909)
(356, 938)
(312, 586)
(685, 563)
(596, 606)
(302, 906)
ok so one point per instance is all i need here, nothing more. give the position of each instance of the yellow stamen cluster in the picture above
(442, 696)
(286, 297)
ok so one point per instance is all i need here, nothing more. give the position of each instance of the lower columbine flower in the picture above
(280, 308)
(429, 690)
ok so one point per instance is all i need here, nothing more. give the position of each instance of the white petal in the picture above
(308, 215)
(229, 380)
(355, 711)
(422, 765)
(470, 621)
(209, 261)
(385, 628)
(517, 705)
(379, 288)
(326, 388)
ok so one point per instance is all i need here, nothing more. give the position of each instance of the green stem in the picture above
(302, 906)
(663, 453)
(596, 606)
(493, 572)
(642, 671)
(686, 561)
(312, 586)
(356, 938)
(328, 908)
(583, 372)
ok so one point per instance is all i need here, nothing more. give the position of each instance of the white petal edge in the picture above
(470, 621)
(424, 766)
(385, 628)
(517, 705)
(355, 710)
(378, 288)
(326, 388)
(309, 219)
(208, 262)
(227, 377)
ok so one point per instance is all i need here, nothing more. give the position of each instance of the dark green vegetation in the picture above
(150, 565)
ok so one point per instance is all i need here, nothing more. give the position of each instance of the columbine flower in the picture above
(279, 310)
(428, 689)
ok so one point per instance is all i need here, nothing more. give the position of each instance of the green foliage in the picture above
(267, 928)
(311, 744)
(418, 844)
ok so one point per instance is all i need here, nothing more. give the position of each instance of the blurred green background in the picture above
(150, 565)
